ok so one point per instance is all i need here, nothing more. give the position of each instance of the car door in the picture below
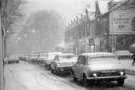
(76, 67)
(81, 66)
(53, 63)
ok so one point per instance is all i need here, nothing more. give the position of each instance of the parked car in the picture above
(23, 57)
(63, 63)
(51, 56)
(26, 58)
(33, 58)
(42, 58)
(123, 54)
(11, 59)
(98, 66)
(6, 60)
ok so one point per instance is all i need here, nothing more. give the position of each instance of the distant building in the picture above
(114, 30)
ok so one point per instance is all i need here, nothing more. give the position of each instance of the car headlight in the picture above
(122, 73)
(94, 74)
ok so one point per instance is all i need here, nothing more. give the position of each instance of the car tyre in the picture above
(120, 82)
(73, 76)
(55, 71)
(84, 81)
(49, 67)
(52, 71)
(46, 66)
(18, 61)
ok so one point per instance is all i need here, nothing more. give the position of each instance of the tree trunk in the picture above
(1, 58)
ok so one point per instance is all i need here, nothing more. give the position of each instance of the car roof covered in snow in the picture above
(66, 54)
(123, 53)
(54, 53)
(97, 54)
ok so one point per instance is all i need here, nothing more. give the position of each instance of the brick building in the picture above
(113, 30)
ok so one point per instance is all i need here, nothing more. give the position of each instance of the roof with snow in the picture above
(98, 54)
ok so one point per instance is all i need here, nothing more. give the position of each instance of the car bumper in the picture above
(12, 61)
(107, 78)
(47, 62)
(64, 69)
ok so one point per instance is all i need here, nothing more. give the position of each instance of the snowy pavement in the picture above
(29, 77)
(25, 76)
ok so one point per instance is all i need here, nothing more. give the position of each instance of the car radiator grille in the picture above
(109, 74)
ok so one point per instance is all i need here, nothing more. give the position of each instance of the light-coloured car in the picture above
(51, 56)
(63, 63)
(26, 58)
(23, 57)
(33, 58)
(98, 66)
(123, 54)
(42, 58)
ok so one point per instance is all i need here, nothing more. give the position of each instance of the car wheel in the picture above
(45, 66)
(75, 79)
(120, 82)
(73, 76)
(52, 71)
(55, 71)
(84, 81)
(49, 67)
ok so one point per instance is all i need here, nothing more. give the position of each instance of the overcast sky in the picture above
(68, 9)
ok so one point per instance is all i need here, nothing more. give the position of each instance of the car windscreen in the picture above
(67, 58)
(33, 56)
(43, 56)
(50, 57)
(103, 59)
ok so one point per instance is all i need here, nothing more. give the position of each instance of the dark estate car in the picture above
(11, 59)
(97, 67)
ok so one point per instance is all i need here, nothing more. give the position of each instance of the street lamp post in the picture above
(87, 26)
(86, 23)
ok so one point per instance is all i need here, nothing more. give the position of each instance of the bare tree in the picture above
(11, 13)
(48, 27)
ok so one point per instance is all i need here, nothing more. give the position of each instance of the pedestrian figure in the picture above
(133, 57)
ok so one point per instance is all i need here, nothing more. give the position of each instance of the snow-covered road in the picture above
(25, 76)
